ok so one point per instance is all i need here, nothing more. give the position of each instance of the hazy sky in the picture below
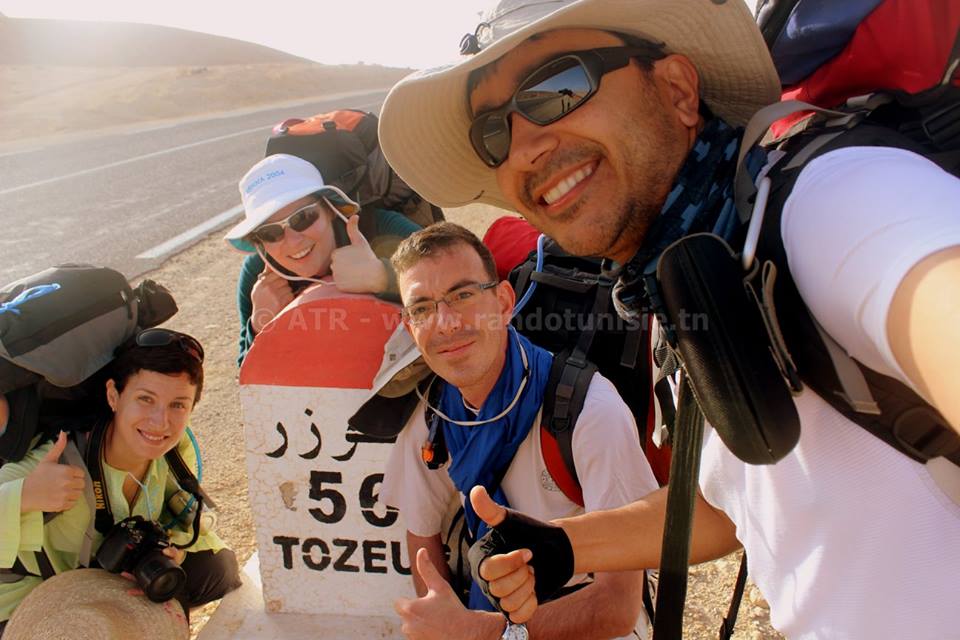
(414, 33)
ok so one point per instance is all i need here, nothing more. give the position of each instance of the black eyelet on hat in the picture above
(469, 44)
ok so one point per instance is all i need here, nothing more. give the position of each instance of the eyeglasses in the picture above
(164, 337)
(299, 220)
(549, 93)
(423, 311)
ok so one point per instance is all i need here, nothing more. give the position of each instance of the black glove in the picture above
(552, 553)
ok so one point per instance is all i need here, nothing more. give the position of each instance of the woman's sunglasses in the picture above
(300, 220)
(164, 337)
(548, 94)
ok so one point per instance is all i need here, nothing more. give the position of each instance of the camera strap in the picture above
(93, 459)
(93, 451)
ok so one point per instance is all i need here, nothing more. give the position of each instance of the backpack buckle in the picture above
(924, 434)
(942, 127)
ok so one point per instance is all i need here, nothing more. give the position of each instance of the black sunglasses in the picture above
(549, 93)
(164, 337)
(299, 220)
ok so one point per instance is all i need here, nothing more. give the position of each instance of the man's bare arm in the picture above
(434, 548)
(631, 536)
(608, 608)
(627, 538)
(923, 327)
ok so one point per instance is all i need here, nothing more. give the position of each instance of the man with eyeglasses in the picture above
(614, 127)
(299, 230)
(487, 403)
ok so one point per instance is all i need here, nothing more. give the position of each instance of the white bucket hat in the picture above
(275, 182)
(425, 121)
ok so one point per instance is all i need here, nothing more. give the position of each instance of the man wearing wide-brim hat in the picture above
(614, 126)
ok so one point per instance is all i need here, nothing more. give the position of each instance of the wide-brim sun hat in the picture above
(91, 604)
(275, 182)
(425, 120)
(402, 367)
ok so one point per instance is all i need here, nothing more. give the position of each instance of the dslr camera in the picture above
(136, 545)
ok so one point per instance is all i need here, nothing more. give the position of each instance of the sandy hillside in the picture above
(63, 77)
(39, 101)
(78, 43)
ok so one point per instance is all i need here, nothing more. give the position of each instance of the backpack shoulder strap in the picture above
(678, 522)
(567, 386)
(73, 455)
(883, 406)
(563, 400)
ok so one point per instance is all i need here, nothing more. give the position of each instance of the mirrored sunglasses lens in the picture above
(303, 219)
(268, 233)
(495, 136)
(555, 92)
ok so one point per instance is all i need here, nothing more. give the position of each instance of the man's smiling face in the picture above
(595, 179)
(465, 346)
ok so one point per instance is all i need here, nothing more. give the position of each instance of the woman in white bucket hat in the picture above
(300, 230)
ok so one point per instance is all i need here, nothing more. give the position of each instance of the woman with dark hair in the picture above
(127, 464)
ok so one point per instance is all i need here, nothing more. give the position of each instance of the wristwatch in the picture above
(515, 632)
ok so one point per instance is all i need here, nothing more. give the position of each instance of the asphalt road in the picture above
(130, 200)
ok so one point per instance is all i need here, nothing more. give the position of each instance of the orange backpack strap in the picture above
(558, 468)
(346, 119)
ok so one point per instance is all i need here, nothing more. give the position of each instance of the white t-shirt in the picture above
(611, 467)
(848, 538)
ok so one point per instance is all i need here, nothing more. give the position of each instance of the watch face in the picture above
(515, 632)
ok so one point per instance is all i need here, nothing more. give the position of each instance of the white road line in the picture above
(111, 165)
(162, 152)
(171, 245)
(19, 151)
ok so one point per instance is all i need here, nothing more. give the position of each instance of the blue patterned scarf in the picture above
(701, 201)
(480, 455)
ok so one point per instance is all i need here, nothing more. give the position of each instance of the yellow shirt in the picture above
(62, 537)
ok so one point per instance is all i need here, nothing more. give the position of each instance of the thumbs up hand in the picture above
(52, 486)
(485, 508)
(439, 615)
(355, 267)
(499, 559)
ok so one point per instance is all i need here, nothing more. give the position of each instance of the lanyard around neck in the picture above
(476, 423)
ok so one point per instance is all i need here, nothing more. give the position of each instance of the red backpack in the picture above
(827, 53)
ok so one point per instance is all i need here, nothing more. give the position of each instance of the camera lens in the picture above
(159, 576)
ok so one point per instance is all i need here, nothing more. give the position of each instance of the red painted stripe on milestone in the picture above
(325, 339)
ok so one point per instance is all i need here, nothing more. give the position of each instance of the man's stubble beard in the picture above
(648, 175)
